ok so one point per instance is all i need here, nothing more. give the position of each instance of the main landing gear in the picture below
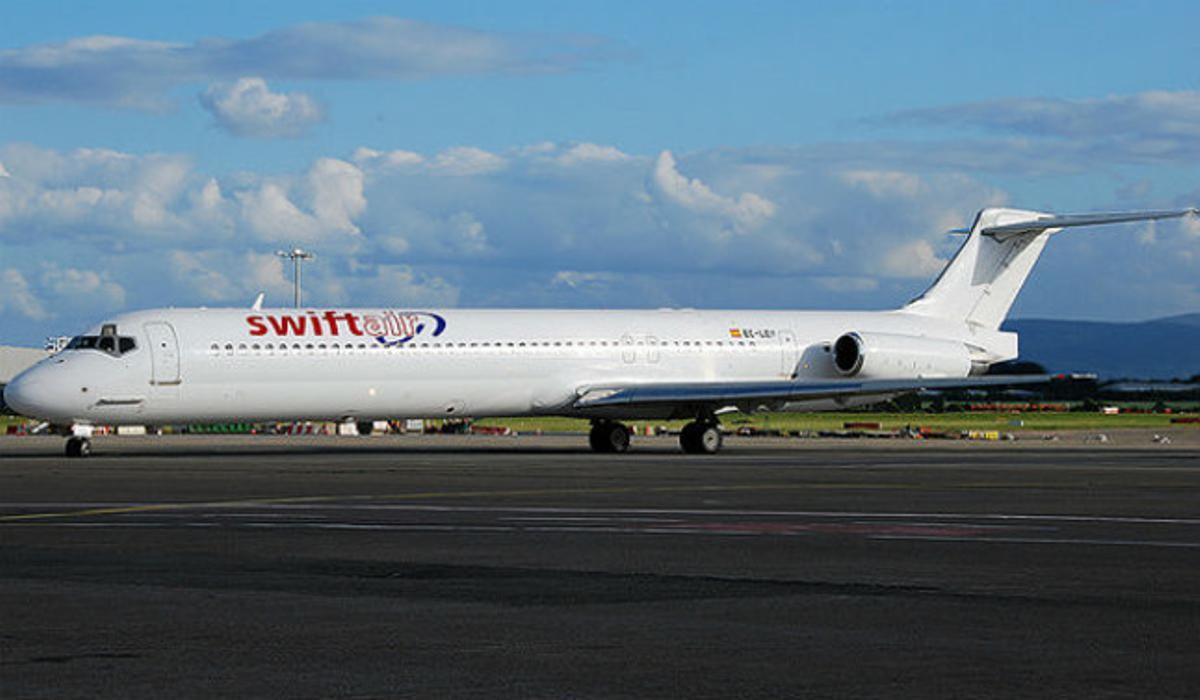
(609, 437)
(701, 437)
(79, 447)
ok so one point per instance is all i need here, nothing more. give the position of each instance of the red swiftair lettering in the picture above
(288, 325)
(257, 327)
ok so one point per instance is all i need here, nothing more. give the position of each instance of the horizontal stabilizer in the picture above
(1044, 223)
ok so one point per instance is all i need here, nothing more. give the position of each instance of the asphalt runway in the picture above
(500, 567)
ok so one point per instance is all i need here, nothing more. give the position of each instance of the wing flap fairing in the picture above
(722, 394)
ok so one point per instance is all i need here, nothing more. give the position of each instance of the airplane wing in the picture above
(689, 396)
(1006, 231)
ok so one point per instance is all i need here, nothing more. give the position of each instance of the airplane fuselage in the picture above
(197, 365)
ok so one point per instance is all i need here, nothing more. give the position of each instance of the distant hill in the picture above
(1164, 348)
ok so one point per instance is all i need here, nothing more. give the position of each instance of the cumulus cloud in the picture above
(582, 153)
(89, 191)
(369, 157)
(884, 183)
(554, 225)
(222, 276)
(912, 259)
(336, 189)
(18, 298)
(128, 72)
(400, 285)
(247, 107)
(85, 288)
(745, 212)
(322, 205)
(467, 160)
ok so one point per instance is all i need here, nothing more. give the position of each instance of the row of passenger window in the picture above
(351, 348)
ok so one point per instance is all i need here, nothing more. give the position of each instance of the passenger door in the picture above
(164, 353)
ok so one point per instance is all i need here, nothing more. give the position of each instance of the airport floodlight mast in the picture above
(298, 256)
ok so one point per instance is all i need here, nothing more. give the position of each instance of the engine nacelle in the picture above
(894, 356)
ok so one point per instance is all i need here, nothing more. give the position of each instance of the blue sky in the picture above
(773, 154)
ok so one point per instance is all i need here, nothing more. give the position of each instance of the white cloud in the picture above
(400, 285)
(746, 212)
(368, 157)
(128, 72)
(18, 298)
(218, 276)
(884, 183)
(589, 153)
(333, 191)
(247, 107)
(467, 161)
(629, 231)
(82, 288)
(915, 259)
(93, 190)
(337, 194)
(274, 217)
(580, 280)
(469, 233)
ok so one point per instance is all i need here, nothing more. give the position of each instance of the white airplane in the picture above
(212, 365)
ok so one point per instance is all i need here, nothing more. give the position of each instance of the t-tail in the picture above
(981, 283)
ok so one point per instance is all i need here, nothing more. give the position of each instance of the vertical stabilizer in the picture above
(981, 283)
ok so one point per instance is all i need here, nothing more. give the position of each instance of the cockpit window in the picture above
(112, 344)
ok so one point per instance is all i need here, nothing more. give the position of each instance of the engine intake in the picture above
(896, 356)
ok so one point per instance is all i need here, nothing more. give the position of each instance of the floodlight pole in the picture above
(297, 256)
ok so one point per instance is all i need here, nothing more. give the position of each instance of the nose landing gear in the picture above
(79, 447)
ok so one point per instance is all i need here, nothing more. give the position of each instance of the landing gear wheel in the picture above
(79, 447)
(701, 438)
(609, 437)
(364, 427)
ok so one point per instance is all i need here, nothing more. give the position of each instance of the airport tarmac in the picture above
(528, 567)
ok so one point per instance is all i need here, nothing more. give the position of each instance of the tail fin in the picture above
(981, 283)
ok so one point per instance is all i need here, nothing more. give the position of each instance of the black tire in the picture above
(709, 439)
(596, 439)
(701, 438)
(79, 447)
(687, 438)
(364, 427)
(609, 438)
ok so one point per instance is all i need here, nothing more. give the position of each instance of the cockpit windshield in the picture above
(115, 345)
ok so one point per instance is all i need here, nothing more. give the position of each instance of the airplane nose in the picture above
(37, 393)
(17, 395)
